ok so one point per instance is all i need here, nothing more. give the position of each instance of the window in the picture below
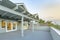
(9, 26)
(14, 25)
(3, 24)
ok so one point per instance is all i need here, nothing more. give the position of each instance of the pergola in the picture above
(9, 10)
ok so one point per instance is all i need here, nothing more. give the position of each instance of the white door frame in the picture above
(6, 28)
(11, 27)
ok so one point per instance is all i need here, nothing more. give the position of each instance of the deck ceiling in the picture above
(10, 16)
(7, 3)
(19, 9)
(11, 5)
(26, 13)
(9, 12)
(7, 15)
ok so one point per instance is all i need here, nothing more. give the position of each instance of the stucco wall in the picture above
(25, 26)
(55, 35)
(19, 27)
(2, 29)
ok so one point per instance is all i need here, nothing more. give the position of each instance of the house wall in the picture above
(18, 26)
(25, 25)
(2, 30)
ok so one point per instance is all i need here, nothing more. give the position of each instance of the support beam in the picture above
(24, 12)
(15, 7)
(16, 17)
(22, 30)
(4, 14)
(12, 16)
(22, 7)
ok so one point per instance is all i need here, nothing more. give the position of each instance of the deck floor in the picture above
(37, 35)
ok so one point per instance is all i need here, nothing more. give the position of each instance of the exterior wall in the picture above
(54, 34)
(2, 29)
(19, 26)
(25, 26)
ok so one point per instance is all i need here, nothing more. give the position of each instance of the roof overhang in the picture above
(13, 12)
(7, 7)
(7, 15)
(7, 3)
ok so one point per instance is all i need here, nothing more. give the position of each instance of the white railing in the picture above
(56, 30)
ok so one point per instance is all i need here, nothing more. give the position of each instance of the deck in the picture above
(29, 35)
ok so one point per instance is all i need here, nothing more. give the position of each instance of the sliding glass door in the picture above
(11, 26)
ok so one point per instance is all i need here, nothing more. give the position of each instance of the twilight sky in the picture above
(47, 9)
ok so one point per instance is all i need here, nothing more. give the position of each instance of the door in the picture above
(14, 26)
(3, 24)
(9, 26)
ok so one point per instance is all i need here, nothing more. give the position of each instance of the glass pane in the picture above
(14, 25)
(3, 24)
(9, 26)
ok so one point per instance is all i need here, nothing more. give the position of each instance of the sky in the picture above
(46, 9)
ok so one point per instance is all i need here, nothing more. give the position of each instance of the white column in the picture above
(22, 29)
(16, 26)
(32, 26)
(6, 26)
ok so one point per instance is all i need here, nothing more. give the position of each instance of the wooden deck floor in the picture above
(37, 35)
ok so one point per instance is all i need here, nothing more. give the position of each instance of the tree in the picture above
(49, 23)
(41, 21)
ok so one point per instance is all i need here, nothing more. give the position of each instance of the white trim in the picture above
(11, 28)
(15, 7)
(56, 30)
(23, 12)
